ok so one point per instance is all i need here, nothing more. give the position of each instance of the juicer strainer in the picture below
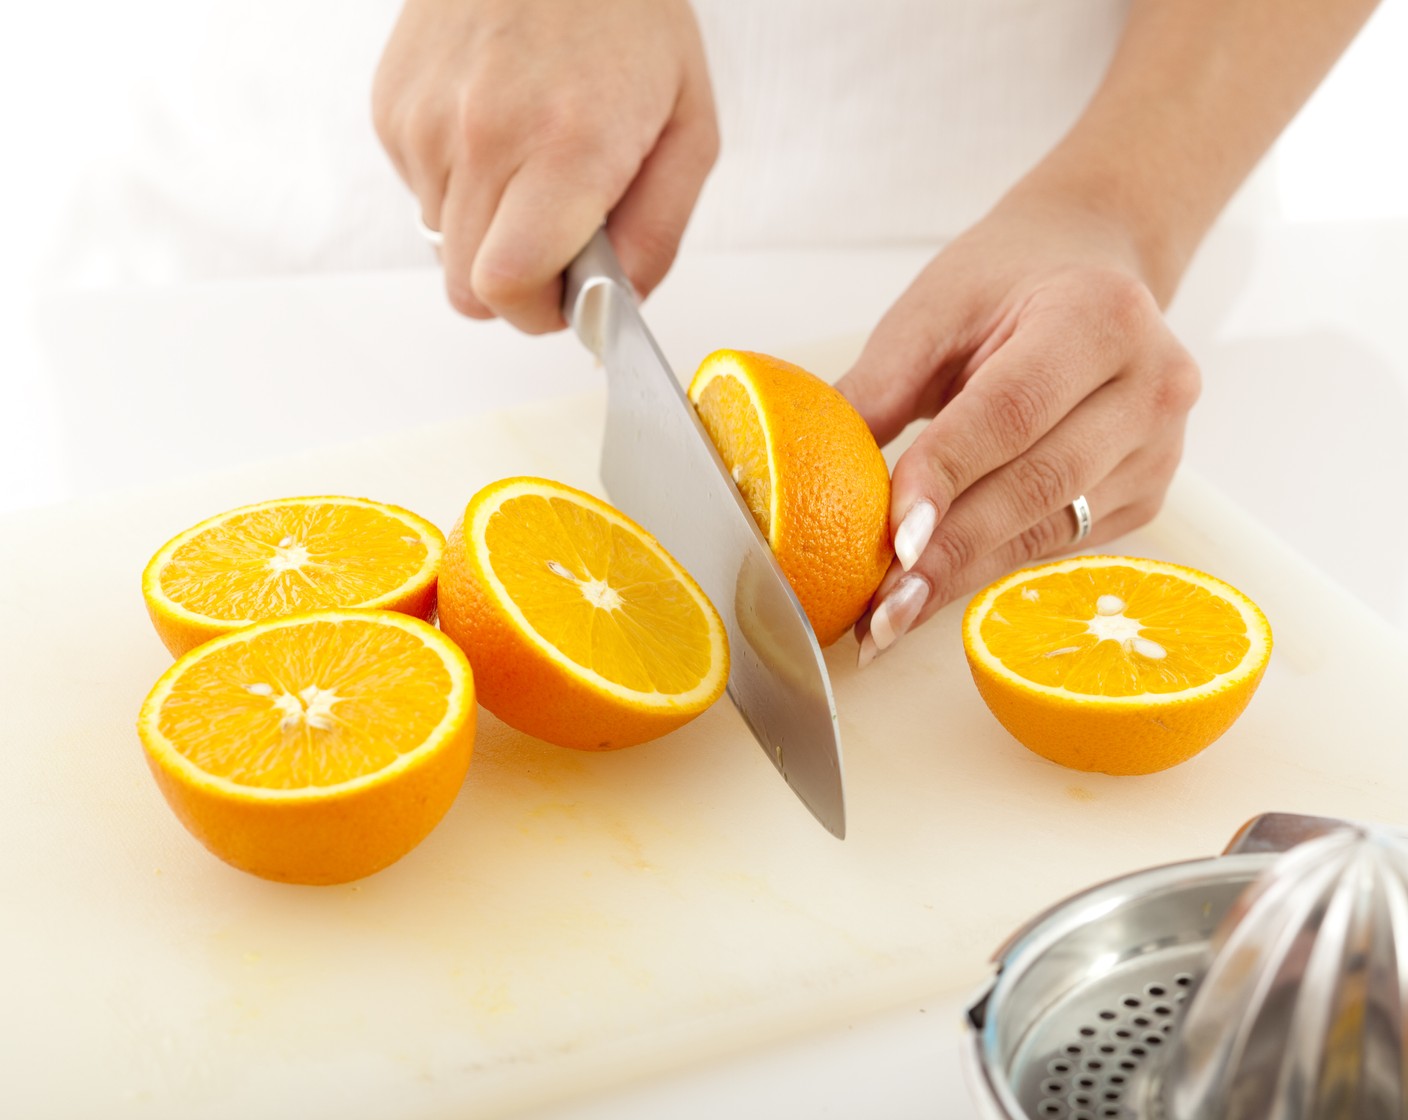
(1268, 983)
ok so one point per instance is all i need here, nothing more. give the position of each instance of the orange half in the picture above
(1115, 663)
(289, 555)
(581, 628)
(316, 748)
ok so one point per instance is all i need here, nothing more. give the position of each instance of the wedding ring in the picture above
(434, 236)
(1081, 508)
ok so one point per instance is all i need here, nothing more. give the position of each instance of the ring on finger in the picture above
(1081, 508)
(433, 236)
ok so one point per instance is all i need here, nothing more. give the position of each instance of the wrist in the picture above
(1141, 229)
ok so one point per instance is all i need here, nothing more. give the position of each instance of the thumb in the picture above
(909, 361)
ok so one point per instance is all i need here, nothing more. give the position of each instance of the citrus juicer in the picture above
(1268, 983)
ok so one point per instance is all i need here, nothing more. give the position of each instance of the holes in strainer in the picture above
(1087, 1078)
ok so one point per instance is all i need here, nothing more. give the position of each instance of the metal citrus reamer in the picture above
(1270, 983)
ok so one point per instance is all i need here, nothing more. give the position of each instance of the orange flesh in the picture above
(594, 592)
(247, 712)
(292, 558)
(732, 423)
(1041, 630)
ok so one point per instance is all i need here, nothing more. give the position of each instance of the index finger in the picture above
(549, 209)
(1039, 375)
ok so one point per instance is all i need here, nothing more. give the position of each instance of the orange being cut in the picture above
(811, 474)
(292, 554)
(1114, 663)
(316, 748)
(581, 628)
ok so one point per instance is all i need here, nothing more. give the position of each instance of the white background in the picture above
(73, 79)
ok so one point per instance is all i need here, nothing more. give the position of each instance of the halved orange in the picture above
(315, 748)
(288, 555)
(1115, 663)
(811, 474)
(581, 628)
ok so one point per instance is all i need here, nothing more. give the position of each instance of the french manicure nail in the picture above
(914, 532)
(899, 610)
(868, 652)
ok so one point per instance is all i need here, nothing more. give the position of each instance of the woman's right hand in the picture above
(522, 125)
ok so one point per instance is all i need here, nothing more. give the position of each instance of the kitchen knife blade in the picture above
(660, 468)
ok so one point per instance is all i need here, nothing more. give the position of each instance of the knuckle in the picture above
(710, 143)
(481, 123)
(1019, 409)
(1180, 385)
(1039, 540)
(419, 127)
(501, 285)
(1126, 305)
(384, 118)
(952, 552)
(1042, 483)
(946, 474)
(463, 299)
(655, 246)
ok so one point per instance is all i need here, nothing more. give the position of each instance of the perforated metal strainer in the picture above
(1268, 983)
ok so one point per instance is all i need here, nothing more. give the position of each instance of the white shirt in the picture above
(242, 141)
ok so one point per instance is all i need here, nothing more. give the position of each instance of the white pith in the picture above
(289, 556)
(597, 592)
(312, 706)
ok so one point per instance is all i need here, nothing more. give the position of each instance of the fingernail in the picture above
(912, 537)
(868, 652)
(899, 610)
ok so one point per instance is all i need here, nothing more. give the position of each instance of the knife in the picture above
(660, 468)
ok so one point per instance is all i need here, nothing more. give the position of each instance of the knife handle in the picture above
(592, 279)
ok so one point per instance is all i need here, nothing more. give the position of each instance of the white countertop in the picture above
(1303, 421)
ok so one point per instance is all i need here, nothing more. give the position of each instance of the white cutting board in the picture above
(576, 920)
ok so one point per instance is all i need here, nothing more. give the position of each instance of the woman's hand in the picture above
(1049, 372)
(522, 125)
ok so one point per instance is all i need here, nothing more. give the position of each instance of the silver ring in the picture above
(1081, 508)
(434, 236)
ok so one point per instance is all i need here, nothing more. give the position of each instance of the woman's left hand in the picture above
(1043, 359)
